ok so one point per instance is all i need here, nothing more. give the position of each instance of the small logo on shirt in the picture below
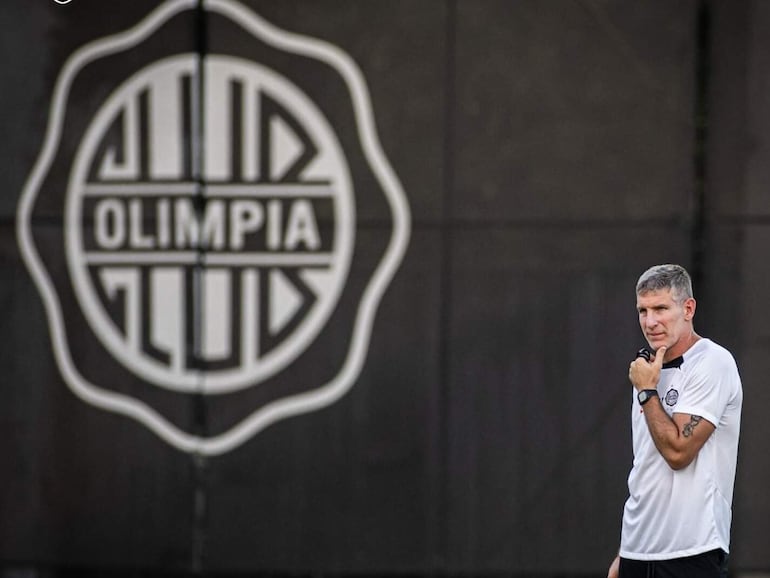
(672, 396)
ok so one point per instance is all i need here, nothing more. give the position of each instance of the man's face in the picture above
(663, 320)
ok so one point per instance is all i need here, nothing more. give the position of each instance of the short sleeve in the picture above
(707, 387)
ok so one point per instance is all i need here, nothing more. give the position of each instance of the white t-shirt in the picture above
(676, 513)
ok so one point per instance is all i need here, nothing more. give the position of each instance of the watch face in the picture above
(644, 395)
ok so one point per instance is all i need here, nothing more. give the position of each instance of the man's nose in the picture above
(650, 320)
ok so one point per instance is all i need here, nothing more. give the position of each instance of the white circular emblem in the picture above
(210, 269)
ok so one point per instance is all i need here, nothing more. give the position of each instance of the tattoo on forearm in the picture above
(688, 427)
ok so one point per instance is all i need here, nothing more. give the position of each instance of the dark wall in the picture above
(737, 221)
(549, 152)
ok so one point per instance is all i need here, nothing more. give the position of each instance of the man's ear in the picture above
(689, 308)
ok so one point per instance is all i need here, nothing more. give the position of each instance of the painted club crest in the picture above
(208, 209)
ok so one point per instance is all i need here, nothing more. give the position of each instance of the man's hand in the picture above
(614, 568)
(644, 374)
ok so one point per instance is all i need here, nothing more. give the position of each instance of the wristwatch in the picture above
(645, 395)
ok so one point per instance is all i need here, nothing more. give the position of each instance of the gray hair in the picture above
(673, 277)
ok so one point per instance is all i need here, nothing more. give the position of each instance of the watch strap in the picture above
(646, 395)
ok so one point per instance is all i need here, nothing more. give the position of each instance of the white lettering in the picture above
(302, 227)
(188, 229)
(274, 224)
(214, 225)
(137, 238)
(245, 217)
(163, 219)
(110, 224)
(226, 224)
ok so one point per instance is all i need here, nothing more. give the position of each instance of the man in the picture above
(685, 423)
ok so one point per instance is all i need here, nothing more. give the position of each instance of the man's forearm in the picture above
(665, 434)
